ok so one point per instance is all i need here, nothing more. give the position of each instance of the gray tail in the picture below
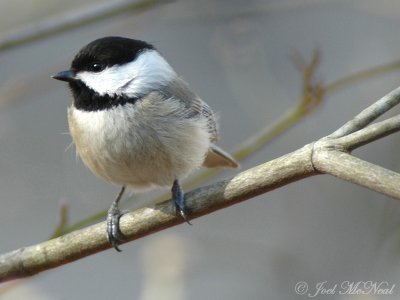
(216, 157)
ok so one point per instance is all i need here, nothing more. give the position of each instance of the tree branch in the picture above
(358, 171)
(81, 243)
(368, 134)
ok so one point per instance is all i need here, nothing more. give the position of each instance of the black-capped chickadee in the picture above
(136, 123)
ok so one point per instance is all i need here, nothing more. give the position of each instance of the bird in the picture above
(136, 123)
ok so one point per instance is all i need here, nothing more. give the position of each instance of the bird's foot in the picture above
(179, 199)
(115, 236)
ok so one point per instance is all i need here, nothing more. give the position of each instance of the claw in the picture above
(115, 236)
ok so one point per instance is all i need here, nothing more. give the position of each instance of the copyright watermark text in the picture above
(344, 288)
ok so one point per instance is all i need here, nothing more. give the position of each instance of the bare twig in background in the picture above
(73, 20)
(63, 220)
(329, 155)
(359, 76)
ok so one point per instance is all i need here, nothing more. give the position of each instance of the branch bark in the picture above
(78, 244)
(329, 155)
(358, 171)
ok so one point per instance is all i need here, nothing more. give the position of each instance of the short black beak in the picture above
(67, 76)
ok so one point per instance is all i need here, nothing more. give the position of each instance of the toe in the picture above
(115, 236)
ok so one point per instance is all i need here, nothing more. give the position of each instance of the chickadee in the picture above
(136, 123)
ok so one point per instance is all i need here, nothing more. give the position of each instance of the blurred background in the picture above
(236, 54)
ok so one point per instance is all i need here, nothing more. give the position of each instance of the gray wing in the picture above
(202, 108)
(216, 157)
(180, 89)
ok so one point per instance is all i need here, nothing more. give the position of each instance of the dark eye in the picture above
(96, 67)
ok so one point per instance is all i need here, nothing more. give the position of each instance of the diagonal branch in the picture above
(369, 114)
(358, 171)
(81, 243)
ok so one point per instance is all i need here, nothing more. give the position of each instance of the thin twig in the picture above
(359, 76)
(369, 114)
(369, 134)
(73, 20)
(63, 219)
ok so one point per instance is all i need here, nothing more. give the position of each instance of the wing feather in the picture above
(178, 88)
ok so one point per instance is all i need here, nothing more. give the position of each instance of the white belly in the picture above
(151, 150)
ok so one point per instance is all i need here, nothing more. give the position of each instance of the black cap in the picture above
(108, 51)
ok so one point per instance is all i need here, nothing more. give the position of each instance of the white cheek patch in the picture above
(134, 79)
